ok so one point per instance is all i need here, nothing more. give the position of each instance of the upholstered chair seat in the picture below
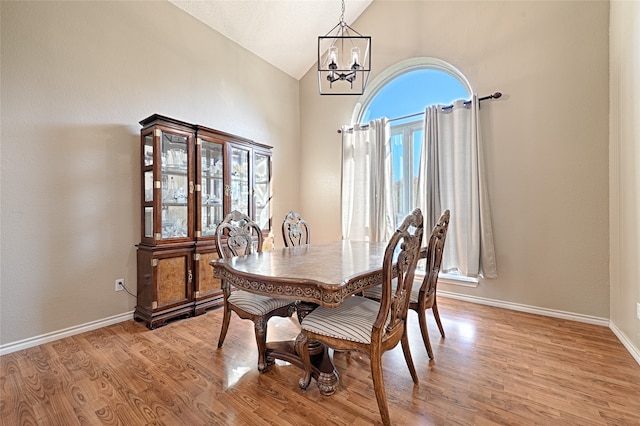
(353, 321)
(256, 304)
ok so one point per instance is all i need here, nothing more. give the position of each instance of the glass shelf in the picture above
(179, 170)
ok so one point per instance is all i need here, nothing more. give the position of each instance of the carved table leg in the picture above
(323, 369)
(326, 375)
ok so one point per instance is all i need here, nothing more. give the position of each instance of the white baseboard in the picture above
(452, 279)
(55, 335)
(527, 308)
(635, 352)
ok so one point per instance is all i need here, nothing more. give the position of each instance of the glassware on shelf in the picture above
(216, 169)
(174, 222)
(213, 200)
(181, 196)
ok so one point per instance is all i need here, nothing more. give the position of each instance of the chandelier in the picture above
(344, 60)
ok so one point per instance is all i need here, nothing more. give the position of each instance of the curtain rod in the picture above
(484, 98)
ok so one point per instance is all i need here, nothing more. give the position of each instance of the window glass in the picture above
(402, 96)
(411, 92)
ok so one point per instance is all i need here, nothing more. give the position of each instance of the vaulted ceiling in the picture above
(282, 32)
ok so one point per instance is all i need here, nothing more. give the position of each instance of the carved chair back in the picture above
(433, 256)
(295, 230)
(400, 260)
(238, 235)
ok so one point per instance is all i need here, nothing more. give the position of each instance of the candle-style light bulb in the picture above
(332, 64)
(355, 58)
(332, 58)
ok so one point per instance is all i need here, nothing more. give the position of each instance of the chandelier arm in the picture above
(349, 28)
(332, 29)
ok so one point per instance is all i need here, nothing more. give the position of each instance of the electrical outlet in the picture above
(120, 284)
(638, 310)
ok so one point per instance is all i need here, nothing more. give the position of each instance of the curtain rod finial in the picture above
(496, 95)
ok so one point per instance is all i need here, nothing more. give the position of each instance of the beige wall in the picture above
(76, 79)
(545, 141)
(624, 175)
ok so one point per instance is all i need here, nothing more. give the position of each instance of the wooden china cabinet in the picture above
(192, 177)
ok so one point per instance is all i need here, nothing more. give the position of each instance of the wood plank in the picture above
(495, 367)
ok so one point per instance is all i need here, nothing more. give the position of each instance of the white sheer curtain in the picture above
(367, 209)
(452, 176)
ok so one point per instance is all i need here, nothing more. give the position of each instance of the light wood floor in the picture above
(495, 367)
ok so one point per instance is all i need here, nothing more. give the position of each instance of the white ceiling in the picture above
(282, 32)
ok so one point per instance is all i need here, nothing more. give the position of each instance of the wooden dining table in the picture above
(317, 274)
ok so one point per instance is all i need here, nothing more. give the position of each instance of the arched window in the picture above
(401, 93)
(451, 177)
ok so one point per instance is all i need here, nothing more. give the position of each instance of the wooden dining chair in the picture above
(238, 235)
(369, 326)
(424, 296)
(295, 230)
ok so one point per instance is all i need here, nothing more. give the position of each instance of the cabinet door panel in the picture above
(173, 280)
(262, 190)
(211, 181)
(175, 185)
(207, 284)
(240, 191)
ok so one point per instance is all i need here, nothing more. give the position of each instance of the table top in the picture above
(322, 273)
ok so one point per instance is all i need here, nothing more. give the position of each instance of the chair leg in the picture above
(436, 315)
(378, 386)
(422, 319)
(225, 324)
(260, 325)
(407, 356)
(302, 347)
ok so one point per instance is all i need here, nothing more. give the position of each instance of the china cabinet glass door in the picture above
(262, 190)
(211, 187)
(238, 189)
(174, 192)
